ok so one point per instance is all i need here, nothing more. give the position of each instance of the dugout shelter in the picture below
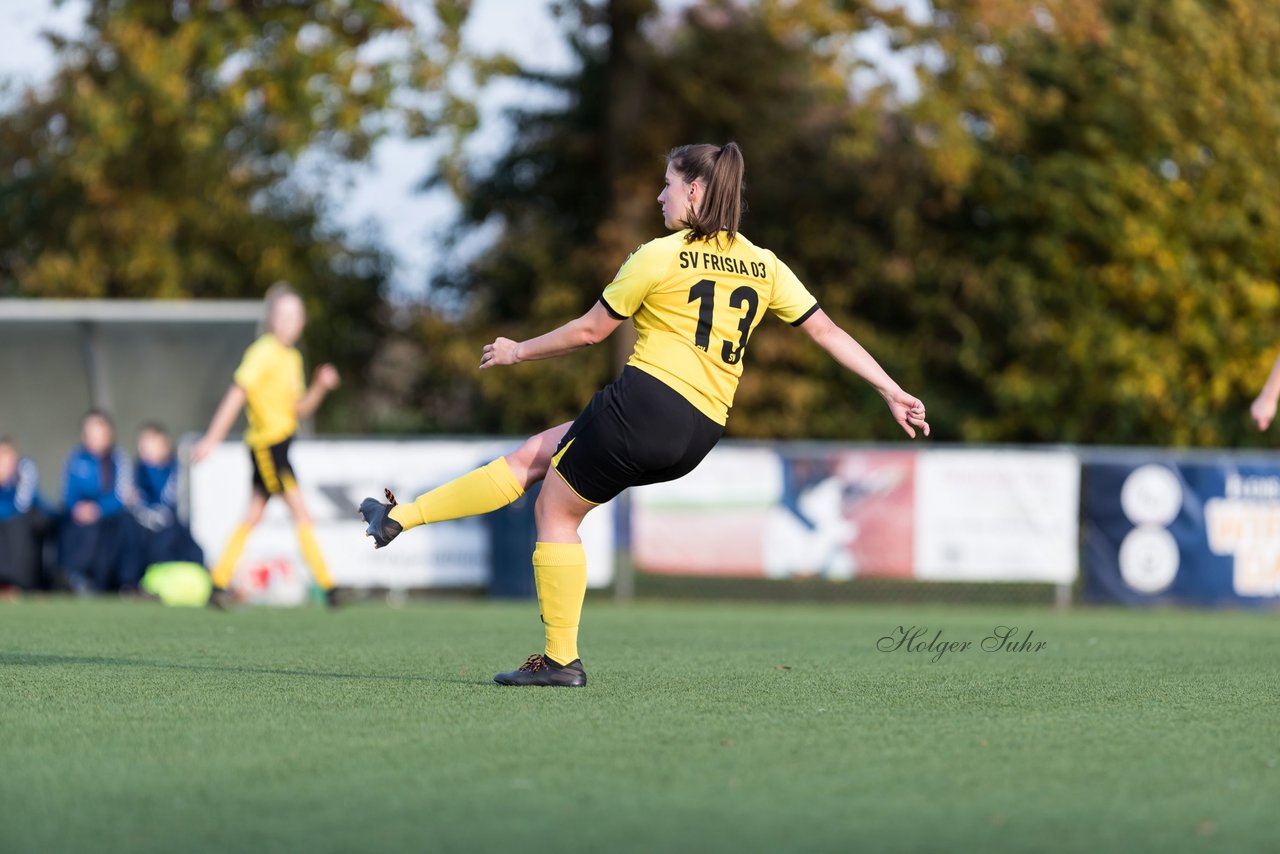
(140, 360)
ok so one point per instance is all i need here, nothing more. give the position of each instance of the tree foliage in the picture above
(163, 158)
(1067, 233)
(1063, 231)
(1105, 180)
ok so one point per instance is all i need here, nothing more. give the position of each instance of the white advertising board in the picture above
(841, 513)
(334, 476)
(997, 516)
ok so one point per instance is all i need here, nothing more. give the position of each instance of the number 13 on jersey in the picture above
(744, 299)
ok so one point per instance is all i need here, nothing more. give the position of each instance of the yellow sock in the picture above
(478, 491)
(226, 568)
(560, 573)
(311, 554)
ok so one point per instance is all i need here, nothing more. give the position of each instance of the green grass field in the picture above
(126, 726)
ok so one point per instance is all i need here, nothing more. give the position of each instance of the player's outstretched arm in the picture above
(220, 426)
(325, 380)
(1263, 410)
(907, 410)
(592, 328)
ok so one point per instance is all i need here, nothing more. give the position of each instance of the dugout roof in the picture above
(141, 360)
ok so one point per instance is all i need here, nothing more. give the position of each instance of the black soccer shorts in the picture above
(272, 471)
(636, 430)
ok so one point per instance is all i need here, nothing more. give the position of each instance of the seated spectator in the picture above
(100, 539)
(23, 522)
(163, 537)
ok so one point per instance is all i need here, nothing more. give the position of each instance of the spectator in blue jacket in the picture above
(23, 522)
(100, 538)
(163, 536)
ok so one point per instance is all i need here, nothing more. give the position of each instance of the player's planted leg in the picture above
(560, 573)
(220, 598)
(560, 576)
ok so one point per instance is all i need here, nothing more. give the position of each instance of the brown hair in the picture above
(98, 413)
(720, 170)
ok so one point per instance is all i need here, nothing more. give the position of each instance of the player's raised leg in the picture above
(479, 491)
(560, 574)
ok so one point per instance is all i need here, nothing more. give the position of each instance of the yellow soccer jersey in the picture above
(695, 306)
(271, 376)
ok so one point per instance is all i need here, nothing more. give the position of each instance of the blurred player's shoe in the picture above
(220, 599)
(382, 527)
(540, 670)
(81, 586)
(138, 595)
(336, 597)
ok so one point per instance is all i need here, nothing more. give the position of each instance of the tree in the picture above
(163, 159)
(1067, 234)
(1100, 216)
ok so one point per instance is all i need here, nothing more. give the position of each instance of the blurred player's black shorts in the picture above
(272, 472)
(636, 430)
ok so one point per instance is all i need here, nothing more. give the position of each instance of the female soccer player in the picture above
(695, 297)
(270, 383)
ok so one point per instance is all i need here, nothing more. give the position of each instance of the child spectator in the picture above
(23, 522)
(99, 549)
(164, 537)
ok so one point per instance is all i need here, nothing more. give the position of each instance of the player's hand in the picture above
(908, 411)
(503, 351)
(202, 449)
(327, 377)
(1263, 411)
(86, 512)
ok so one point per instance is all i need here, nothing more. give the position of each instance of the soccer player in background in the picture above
(270, 385)
(1263, 410)
(695, 297)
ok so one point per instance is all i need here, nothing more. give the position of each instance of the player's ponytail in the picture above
(720, 169)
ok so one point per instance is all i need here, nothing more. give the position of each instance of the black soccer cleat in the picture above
(540, 670)
(220, 599)
(382, 527)
(337, 597)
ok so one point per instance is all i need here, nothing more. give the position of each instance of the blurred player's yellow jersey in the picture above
(271, 375)
(695, 305)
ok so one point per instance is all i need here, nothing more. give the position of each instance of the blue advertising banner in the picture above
(1164, 531)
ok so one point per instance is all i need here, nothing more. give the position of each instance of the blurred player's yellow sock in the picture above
(226, 568)
(480, 491)
(311, 554)
(560, 573)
